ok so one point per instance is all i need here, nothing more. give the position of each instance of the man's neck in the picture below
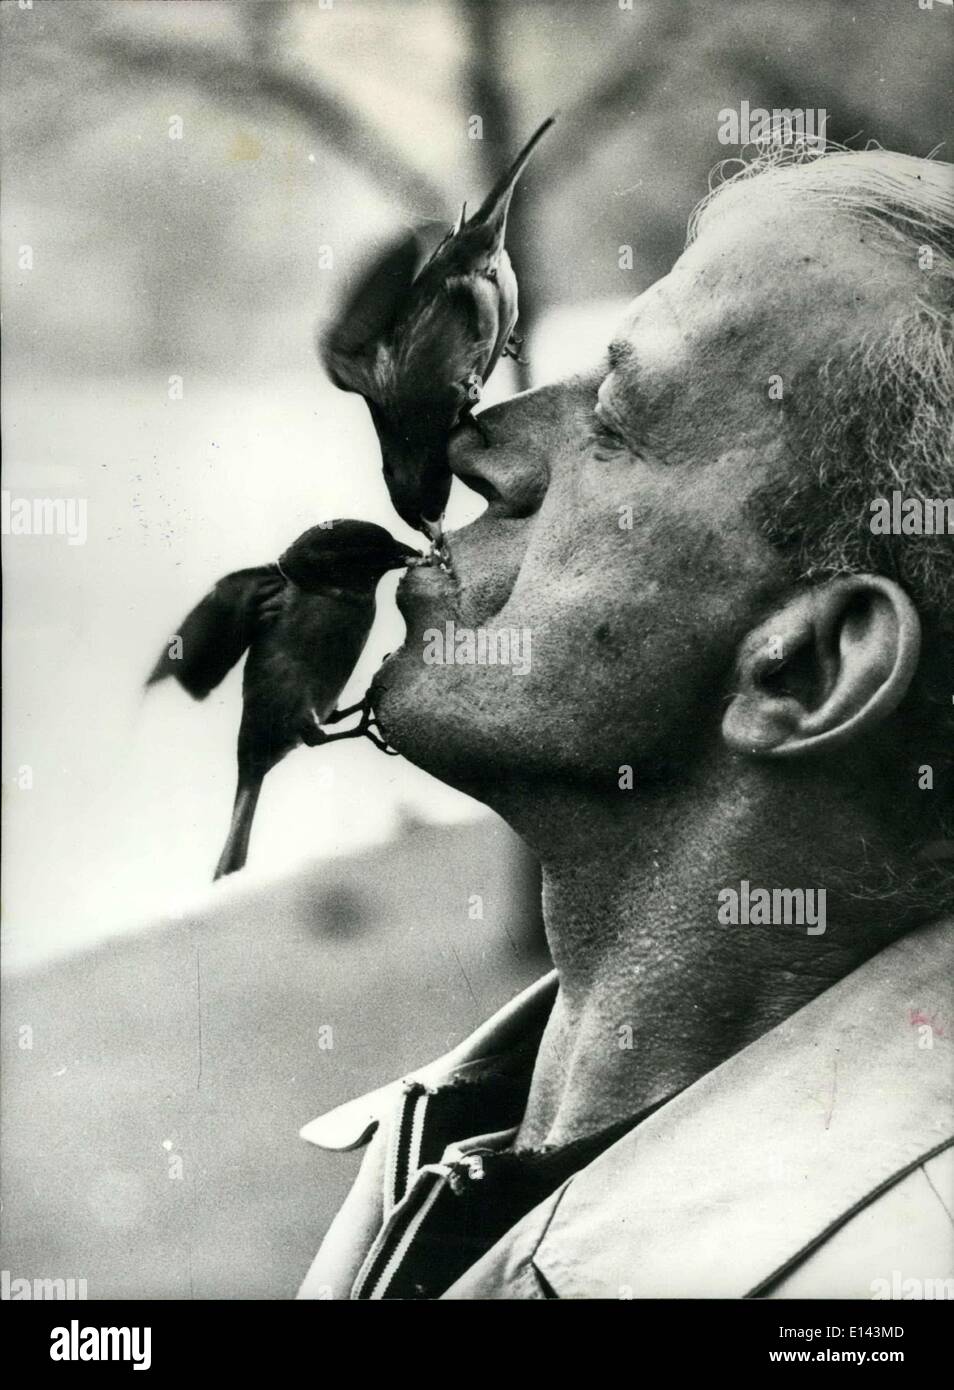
(655, 990)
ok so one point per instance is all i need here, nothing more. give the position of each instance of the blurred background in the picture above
(189, 189)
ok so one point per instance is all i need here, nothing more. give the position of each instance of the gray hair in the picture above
(878, 416)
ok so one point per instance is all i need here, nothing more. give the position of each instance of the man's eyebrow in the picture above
(619, 352)
(633, 396)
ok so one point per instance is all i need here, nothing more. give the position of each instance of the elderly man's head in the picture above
(685, 533)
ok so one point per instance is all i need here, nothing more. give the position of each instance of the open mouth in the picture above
(436, 591)
(427, 579)
(439, 554)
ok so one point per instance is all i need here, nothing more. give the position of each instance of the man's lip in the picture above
(424, 582)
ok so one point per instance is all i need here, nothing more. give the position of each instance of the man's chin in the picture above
(430, 715)
(448, 718)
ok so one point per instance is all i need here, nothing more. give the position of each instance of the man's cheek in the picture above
(579, 655)
(487, 558)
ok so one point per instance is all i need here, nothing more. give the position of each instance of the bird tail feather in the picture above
(235, 851)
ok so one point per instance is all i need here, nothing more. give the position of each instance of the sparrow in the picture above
(419, 339)
(304, 621)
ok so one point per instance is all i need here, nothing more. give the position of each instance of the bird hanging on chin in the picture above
(419, 339)
(304, 621)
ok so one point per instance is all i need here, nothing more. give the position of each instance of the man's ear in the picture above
(829, 665)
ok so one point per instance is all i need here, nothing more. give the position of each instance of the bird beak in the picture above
(440, 554)
(493, 210)
(435, 532)
(409, 558)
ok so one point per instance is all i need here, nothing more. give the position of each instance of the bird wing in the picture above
(348, 348)
(500, 308)
(215, 634)
(453, 333)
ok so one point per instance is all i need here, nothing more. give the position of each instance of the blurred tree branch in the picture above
(262, 22)
(238, 78)
(587, 123)
(772, 84)
(490, 97)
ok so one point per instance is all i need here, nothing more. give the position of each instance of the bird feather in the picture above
(215, 634)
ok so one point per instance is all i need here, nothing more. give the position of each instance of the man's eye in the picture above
(604, 433)
(604, 438)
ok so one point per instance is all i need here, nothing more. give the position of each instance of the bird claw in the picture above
(380, 743)
(372, 730)
(367, 727)
(336, 715)
(512, 349)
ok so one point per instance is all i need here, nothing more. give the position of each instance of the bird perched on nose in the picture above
(419, 341)
(304, 621)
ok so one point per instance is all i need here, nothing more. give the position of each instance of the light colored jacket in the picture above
(817, 1162)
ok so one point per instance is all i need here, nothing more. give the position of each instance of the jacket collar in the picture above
(518, 1023)
(736, 1178)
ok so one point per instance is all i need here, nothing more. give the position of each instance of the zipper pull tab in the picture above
(475, 1167)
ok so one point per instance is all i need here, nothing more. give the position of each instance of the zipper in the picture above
(469, 1168)
(387, 1253)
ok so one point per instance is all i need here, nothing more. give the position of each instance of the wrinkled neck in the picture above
(656, 988)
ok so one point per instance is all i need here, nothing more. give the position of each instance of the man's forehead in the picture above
(765, 275)
(782, 247)
(649, 334)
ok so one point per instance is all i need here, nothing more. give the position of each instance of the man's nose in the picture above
(505, 456)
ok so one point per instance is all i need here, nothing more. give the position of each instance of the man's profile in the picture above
(733, 752)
